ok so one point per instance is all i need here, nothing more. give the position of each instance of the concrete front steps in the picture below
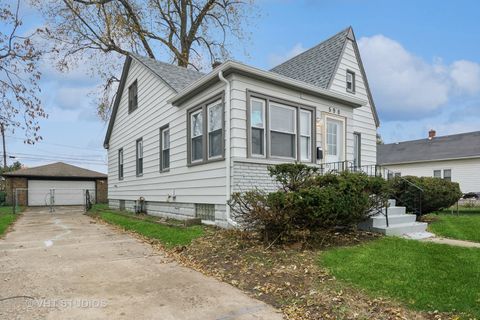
(399, 222)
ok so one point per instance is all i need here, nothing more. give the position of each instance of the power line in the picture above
(59, 145)
(64, 156)
(52, 159)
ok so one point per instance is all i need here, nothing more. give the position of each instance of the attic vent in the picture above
(205, 211)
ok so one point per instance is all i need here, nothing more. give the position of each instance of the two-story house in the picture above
(183, 141)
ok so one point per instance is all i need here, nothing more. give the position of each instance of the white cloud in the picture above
(407, 87)
(276, 59)
(466, 76)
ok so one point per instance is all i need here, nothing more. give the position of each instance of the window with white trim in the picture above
(283, 120)
(215, 125)
(305, 135)
(447, 174)
(139, 156)
(206, 132)
(257, 123)
(120, 164)
(196, 121)
(133, 96)
(280, 130)
(165, 148)
(437, 174)
(350, 84)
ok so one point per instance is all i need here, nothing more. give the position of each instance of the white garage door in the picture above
(66, 192)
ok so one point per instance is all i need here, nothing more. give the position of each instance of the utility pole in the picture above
(2, 129)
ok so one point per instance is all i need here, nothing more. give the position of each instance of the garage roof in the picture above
(56, 170)
(456, 146)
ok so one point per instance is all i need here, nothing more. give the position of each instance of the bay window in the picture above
(206, 133)
(279, 129)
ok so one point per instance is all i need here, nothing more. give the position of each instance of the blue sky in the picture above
(422, 59)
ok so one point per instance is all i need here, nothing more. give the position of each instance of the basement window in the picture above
(205, 211)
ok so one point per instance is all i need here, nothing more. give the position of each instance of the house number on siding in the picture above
(333, 110)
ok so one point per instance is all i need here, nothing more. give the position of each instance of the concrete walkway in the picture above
(453, 242)
(66, 266)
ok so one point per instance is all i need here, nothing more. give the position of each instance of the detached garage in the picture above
(59, 182)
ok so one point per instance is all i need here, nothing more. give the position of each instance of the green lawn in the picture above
(426, 276)
(169, 236)
(465, 226)
(6, 219)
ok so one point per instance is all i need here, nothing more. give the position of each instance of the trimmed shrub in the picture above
(292, 176)
(437, 193)
(308, 202)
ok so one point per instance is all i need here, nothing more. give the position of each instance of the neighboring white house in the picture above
(455, 158)
(184, 141)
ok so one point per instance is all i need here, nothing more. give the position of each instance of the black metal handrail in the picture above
(377, 171)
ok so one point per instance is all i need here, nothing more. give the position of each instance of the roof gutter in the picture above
(230, 67)
(228, 158)
(429, 160)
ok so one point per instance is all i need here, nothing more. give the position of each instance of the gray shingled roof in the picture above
(177, 77)
(455, 146)
(316, 65)
(56, 170)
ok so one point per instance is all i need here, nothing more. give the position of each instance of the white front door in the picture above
(334, 140)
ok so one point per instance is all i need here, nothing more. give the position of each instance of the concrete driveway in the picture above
(66, 266)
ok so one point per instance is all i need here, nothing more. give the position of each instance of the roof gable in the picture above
(457, 146)
(177, 78)
(56, 170)
(317, 65)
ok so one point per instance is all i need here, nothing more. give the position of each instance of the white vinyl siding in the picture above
(363, 120)
(464, 171)
(197, 184)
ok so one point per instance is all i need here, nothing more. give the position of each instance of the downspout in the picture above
(228, 160)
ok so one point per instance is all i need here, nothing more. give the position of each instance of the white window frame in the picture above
(209, 106)
(163, 130)
(139, 156)
(295, 133)
(264, 128)
(443, 173)
(192, 132)
(310, 136)
(352, 74)
(437, 170)
(121, 171)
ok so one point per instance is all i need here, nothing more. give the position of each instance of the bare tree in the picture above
(19, 76)
(190, 32)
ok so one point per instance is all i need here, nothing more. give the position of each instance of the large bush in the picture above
(307, 202)
(435, 194)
